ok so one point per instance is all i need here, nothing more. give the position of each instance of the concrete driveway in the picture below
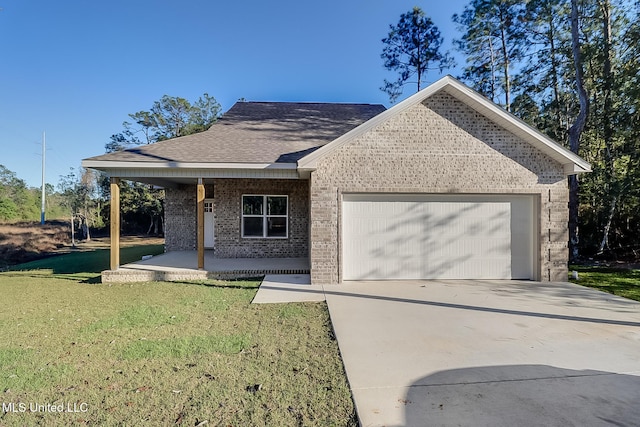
(488, 353)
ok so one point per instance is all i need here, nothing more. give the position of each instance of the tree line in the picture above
(83, 194)
(141, 205)
(571, 69)
(19, 202)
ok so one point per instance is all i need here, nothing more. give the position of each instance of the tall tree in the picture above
(168, 117)
(542, 76)
(628, 125)
(78, 191)
(494, 40)
(18, 202)
(411, 49)
(607, 116)
(12, 189)
(205, 111)
(609, 71)
(576, 129)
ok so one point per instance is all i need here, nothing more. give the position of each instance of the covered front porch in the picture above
(183, 266)
(190, 205)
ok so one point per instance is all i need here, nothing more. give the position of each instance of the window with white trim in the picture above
(265, 216)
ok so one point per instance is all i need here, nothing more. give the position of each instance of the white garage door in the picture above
(437, 237)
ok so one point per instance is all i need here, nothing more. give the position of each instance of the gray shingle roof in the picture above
(257, 132)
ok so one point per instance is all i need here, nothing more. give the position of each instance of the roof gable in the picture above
(571, 162)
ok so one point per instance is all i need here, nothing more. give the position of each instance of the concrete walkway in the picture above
(282, 288)
(488, 353)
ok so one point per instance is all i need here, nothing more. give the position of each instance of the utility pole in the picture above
(44, 149)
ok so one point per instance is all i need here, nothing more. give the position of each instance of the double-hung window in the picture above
(265, 216)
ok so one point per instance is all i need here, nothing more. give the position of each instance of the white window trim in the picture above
(264, 216)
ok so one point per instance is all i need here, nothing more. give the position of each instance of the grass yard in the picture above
(93, 261)
(618, 281)
(163, 354)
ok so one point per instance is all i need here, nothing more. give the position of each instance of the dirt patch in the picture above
(28, 241)
(23, 242)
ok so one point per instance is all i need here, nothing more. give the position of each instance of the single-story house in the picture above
(443, 185)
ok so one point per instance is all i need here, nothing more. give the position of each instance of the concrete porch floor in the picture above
(183, 265)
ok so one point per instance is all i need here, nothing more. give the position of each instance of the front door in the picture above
(208, 224)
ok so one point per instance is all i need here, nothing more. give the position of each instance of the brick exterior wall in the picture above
(438, 146)
(180, 218)
(228, 200)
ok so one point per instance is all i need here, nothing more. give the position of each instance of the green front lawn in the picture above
(163, 354)
(617, 281)
(89, 261)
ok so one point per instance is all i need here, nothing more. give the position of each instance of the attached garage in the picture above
(443, 185)
(417, 236)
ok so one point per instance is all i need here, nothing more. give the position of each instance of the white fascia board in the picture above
(573, 169)
(107, 164)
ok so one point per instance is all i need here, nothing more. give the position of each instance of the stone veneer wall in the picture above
(438, 146)
(228, 201)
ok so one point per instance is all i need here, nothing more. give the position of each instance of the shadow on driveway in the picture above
(327, 291)
(523, 395)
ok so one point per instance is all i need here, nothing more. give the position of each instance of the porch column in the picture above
(115, 223)
(200, 223)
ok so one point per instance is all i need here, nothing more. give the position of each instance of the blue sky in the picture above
(76, 69)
